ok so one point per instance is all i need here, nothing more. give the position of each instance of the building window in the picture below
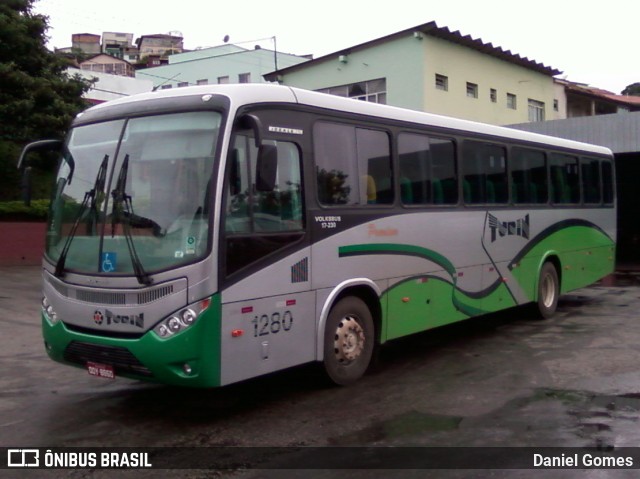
(556, 105)
(442, 82)
(204, 81)
(183, 84)
(512, 101)
(374, 91)
(223, 80)
(244, 78)
(472, 90)
(493, 94)
(536, 110)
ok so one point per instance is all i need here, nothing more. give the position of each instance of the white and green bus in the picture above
(206, 235)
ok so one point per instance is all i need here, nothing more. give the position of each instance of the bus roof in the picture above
(245, 94)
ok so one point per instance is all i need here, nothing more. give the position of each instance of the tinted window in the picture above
(528, 176)
(607, 182)
(353, 165)
(427, 170)
(590, 180)
(565, 179)
(484, 168)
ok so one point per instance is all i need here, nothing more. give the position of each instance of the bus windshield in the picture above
(132, 196)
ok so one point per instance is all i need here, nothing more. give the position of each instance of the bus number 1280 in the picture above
(265, 325)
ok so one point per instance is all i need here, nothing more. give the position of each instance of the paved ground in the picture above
(501, 380)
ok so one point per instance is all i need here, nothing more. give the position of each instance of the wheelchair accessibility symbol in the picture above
(108, 263)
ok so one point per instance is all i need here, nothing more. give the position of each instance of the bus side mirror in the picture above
(266, 168)
(25, 185)
(25, 169)
(253, 123)
(235, 183)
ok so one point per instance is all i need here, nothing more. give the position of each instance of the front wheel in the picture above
(348, 341)
(548, 290)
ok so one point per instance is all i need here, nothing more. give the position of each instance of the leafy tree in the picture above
(633, 90)
(38, 99)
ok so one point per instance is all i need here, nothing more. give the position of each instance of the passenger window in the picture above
(590, 168)
(528, 176)
(607, 182)
(353, 165)
(427, 170)
(565, 179)
(484, 167)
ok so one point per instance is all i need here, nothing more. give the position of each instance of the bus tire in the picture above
(348, 341)
(548, 290)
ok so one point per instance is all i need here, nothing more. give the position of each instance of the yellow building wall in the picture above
(461, 65)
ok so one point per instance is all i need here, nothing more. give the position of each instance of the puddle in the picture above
(549, 416)
(409, 424)
(620, 279)
(624, 402)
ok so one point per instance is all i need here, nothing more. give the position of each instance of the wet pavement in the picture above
(502, 380)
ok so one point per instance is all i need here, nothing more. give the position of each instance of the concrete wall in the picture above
(618, 131)
(409, 65)
(111, 87)
(399, 61)
(461, 65)
(21, 244)
(200, 66)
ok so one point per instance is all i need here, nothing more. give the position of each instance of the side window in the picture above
(484, 167)
(427, 170)
(607, 182)
(259, 205)
(528, 176)
(565, 179)
(353, 165)
(590, 168)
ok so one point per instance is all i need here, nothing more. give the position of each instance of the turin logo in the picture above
(98, 317)
(508, 228)
(109, 318)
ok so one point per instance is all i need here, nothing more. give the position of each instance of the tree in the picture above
(632, 90)
(38, 99)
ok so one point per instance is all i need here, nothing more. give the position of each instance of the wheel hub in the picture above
(349, 340)
(548, 291)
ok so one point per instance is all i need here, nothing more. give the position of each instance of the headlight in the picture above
(181, 320)
(48, 311)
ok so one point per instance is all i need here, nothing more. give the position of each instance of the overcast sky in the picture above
(590, 42)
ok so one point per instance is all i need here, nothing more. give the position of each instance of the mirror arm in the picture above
(35, 146)
(253, 122)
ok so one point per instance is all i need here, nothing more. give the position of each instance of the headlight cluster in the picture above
(181, 320)
(48, 311)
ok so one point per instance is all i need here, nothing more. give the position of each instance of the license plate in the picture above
(101, 370)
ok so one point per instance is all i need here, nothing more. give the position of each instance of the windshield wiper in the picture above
(123, 210)
(89, 198)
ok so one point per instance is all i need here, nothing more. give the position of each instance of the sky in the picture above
(590, 42)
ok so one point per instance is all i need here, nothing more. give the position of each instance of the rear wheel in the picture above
(348, 341)
(548, 290)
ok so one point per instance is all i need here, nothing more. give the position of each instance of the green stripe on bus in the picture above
(401, 249)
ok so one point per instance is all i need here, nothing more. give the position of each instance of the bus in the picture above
(206, 235)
